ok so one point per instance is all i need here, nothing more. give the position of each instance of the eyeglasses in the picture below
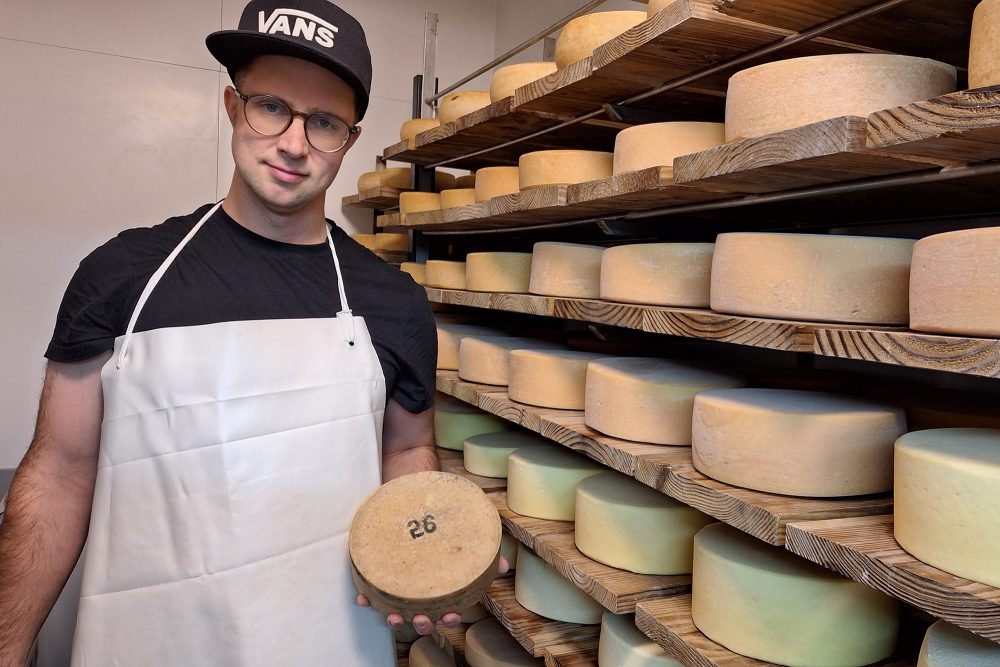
(271, 116)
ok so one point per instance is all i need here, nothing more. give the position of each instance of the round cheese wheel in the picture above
(812, 277)
(393, 177)
(458, 197)
(416, 270)
(948, 646)
(623, 645)
(549, 378)
(415, 202)
(508, 549)
(486, 454)
(495, 182)
(408, 527)
(647, 399)
(453, 106)
(466, 181)
(656, 6)
(791, 93)
(582, 35)
(425, 653)
(566, 269)
(947, 509)
(489, 644)
(368, 181)
(484, 359)
(625, 524)
(445, 274)
(984, 70)
(455, 421)
(541, 481)
(657, 144)
(449, 337)
(508, 79)
(541, 169)
(538, 587)
(365, 240)
(411, 128)
(498, 272)
(444, 181)
(841, 446)
(392, 241)
(659, 274)
(764, 602)
(951, 283)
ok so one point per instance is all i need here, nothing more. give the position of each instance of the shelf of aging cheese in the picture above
(681, 40)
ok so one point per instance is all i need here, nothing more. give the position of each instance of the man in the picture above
(213, 406)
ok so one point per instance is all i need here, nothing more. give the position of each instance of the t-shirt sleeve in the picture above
(415, 388)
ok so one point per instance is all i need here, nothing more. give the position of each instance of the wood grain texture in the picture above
(388, 220)
(459, 297)
(752, 331)
(452, 641)
(637, 191)
(599, 312)
(380, 197)
(580, 654)
(527, 530)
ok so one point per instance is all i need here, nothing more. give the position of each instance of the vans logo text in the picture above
(296, 23)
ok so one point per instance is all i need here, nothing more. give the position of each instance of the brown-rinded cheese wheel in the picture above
(582, 35)
(508, 79)
(657, 144)
(415, 126)
(562, 167)
(495, 182)
(984, 66)
(455, 105)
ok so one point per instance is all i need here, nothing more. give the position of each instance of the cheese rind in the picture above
(455, 421)
(817, 277)
(946, 645)
(625, 524)
(647, 399)
(508, 79)
(425, 653)
(946, 505)
(485, 359)
(498, 272)
(657, 144)
(466, 181)
(984, 69)
(486, 454)
(458, 197)
(489, 644)
(411, 128)
(453, 106)
(449, 337)
(444, 181)
(549, 378)
(542, 169)
(566, 269)
(764, 602)
(658, 274)
(415, 202)
(582, 35)
(416, 270)
(445, 274)
(541, 481)
(538, 587)
(623, 645)
(392, 241)
(495, 182)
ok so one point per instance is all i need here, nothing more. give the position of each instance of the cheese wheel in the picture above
(392, 241)
(815, 277)
(417, 271)
(948, 646)
(406, 634)
(508, 549)
(541, 169)
(623, 645)
(791, 93)
(486, 454)
(365, 240)
(445, 274)
(411, 128)
(415, 202)
(764, 602)
(458, 197)
(449, 336)
(582, 35)
(498, 272)
(658, 274)
(443, 181)
(841, 446)
(368, 181)
(541, 481)
(455, 421)
(466, 181)
(489, 644)
(425, 653)
(947, 509)
(647, 399)
(538, 587)
(496, 182)
(453, 106)
(549, 378)
(566, 269)
(507, 80)
(478, 612)
(395, 177)
(951, 283)
(484, 359)
(657, 144)
(627, 525)
(656, 6)
(984, 70)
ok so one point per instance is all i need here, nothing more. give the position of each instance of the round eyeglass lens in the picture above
(270, 116)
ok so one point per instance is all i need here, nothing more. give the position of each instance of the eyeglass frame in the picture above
(293, 114)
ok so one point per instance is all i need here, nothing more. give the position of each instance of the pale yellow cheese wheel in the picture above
(984, 68)
(450, 335)
(946, 645)
(566, 269)
(498, 272)
(541, 481)
(791, 93)
(453, 106)
(416, 270)
(814, 277)
(549, 378)
(658, 274)
(444, 180)
(484, 359)
(455, 421)
(458, 197)
(625, 524)
(415, 202)
(621, 644)
(399, 242)
(840, 445)
(508, 79)
(647, 399)
(952, 283)
(947, 509)
(538, 587)
(542, 169)
(657, 144)
(445, 274)
(411, 128)
(425, 653)
(582, 35)
(495, 182)
(656, 6)
(489, 644)
(486, 454)
(466, 181)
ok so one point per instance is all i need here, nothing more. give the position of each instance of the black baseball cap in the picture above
(314, 30)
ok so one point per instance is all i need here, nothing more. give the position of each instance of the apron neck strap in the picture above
(345, 317)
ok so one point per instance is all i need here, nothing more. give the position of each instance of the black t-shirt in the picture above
(228, 273)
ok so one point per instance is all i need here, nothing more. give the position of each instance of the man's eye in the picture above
(272, 107)
(324, 122)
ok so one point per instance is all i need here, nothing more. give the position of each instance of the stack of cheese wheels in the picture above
(951, 283)
(766, 603)
(415, 202)
(453, 106)
(566, 269)
(466, 180)
(446, 274)
(407, 527)
(657, 144)
(449, 337)
(658, 274)
(582, 35)
(508, 79)
(498, 272)
(489, 644)
(984, 69)
(647, 399)
(458, 197)
(542, 169)
(549, 378)
(625, 524)
(455, 421)
(538, 587)
(841, 446)
(425, 653)
(496, 182)
(541, 481)
(411, 128)
(948, 646)
(416, 270)
(656, 6)
(392, 177)
(484, 359)
(815, 277)
(791, 93)
(486, 454)
(622, 645)
(947, 509)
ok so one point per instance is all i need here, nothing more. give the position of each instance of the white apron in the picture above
(233, 457)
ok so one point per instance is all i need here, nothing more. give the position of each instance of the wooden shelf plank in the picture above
(530, 207)
(579, 654)
(865, 550)
(388, 220)
(526, 529)
(452, 640)
(637, 191)
(530, 304)
(487, 484)
(381, 197)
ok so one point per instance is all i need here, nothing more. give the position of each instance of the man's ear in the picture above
(354, 138)
(232, 103)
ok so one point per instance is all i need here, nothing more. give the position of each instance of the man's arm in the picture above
(407, 442)
(48, 505)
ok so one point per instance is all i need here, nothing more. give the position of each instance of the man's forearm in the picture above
(406, 461)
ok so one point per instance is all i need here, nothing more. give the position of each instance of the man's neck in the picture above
(303, 226)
